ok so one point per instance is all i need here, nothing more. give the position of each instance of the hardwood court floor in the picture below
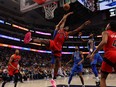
(89, 80)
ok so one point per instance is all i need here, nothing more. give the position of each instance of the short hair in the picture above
(113, 26)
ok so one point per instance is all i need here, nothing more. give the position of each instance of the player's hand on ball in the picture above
(87, 22)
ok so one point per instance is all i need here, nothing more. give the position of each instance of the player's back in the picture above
(60, 37)
(77, 57)
(110, 47)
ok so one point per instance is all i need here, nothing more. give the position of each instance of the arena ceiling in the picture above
(10, 10)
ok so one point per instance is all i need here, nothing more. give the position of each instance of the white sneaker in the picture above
(68, 85)
(83, 85)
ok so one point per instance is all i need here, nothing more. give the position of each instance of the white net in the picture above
(49, 10)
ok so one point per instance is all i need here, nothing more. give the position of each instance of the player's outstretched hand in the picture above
(80, 34)
(87, 22)
(65, 16)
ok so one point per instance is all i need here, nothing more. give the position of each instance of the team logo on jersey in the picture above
(113, 36)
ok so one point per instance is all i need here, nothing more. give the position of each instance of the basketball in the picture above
(40, 2)
(66, 7)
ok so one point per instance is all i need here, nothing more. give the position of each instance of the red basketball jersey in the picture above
(110, 47)
(60, 37)
(16, 59)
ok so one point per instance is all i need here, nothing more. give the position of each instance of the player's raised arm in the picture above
(102, 43)
(79, 28)
(80, 34)
(63, 21)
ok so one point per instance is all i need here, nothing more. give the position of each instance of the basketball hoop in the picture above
(49, 10)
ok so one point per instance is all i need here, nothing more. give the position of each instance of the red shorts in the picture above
(107, 68)
(12, 71)
(55, 49)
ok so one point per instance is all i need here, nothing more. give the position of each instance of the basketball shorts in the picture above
(12, 71)
(54, 48)
(97, 58)
(77, 68)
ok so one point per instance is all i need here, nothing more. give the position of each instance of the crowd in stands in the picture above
(33, 65)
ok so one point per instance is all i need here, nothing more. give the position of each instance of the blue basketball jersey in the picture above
(89, 42)
(77, 57)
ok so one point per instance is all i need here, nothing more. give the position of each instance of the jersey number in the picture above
(114, 43)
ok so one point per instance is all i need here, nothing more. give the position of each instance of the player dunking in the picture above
(13, 68)
(97, 57)
(109, 44)
(56, 45)
(78, 58)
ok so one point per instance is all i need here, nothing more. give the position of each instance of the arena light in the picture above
(70, 36)
(71, 46)
(81, 46)
(101, 52)
(99, 36)
(84, 36)
(8, 37)
(7, 23)
(29, 49)
(1, 21)
(85, 52)
(19, 27)
(16, 47)
(35, 50)
(43, 33)
(67, 52)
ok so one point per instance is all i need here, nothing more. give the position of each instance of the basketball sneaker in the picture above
(53, 83)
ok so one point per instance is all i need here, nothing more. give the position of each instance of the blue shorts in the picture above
(77, 68)
(97, 58)
(53, 59)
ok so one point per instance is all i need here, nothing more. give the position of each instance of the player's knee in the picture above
(104, 75)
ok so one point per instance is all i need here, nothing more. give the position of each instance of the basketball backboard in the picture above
(27, 5)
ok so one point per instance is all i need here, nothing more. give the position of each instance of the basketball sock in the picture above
(52, 73)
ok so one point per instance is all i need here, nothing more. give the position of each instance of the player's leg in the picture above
(8, 79)
(105, 70)
(100, 59)
(94, 68)
(103, 79)
(81, 78)
(71, 74)
(57, 65)
(16, 79)
(79, 71)
(28, 38)
(46, 42)
(60, 70)
(52, 66)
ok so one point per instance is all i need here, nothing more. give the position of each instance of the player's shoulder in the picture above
(13, 55)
